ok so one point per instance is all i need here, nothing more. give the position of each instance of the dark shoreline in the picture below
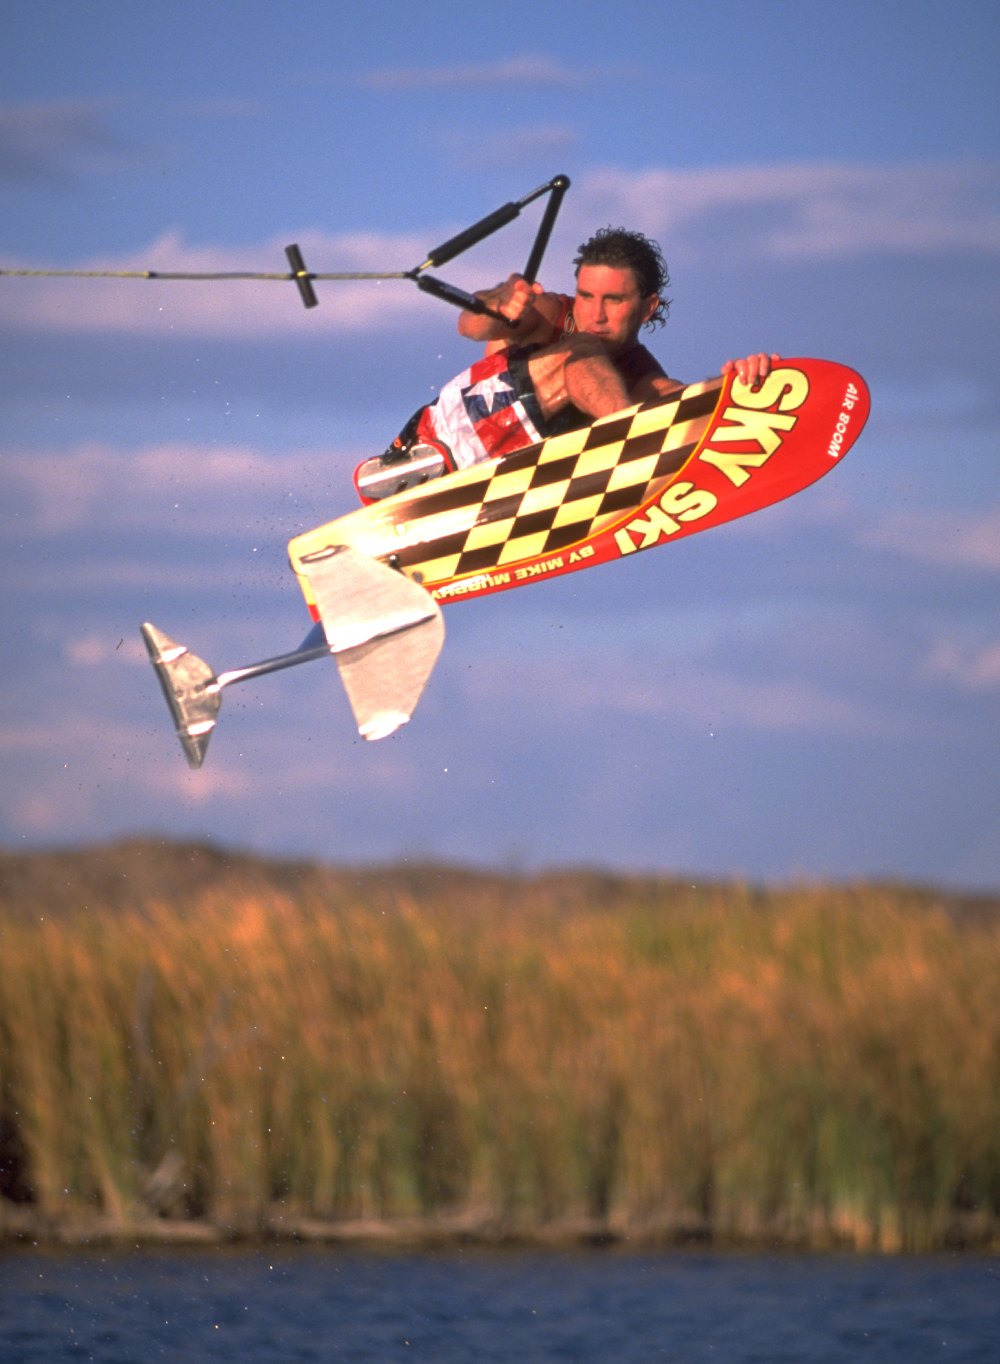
(128, 876)
(970, 1233)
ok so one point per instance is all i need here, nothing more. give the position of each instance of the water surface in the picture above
(302, 1304)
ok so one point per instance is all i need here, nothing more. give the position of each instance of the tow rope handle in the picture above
(303, 277)
(454, 246)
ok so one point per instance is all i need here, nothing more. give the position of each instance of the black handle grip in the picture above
(298, 268)
(454, 246)
(450, 293)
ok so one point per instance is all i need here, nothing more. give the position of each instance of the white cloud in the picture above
(60, 140)
(176, 488)
(509, 146)
(84, 753)
(973, 668)
(91, 651)
(776, 705)
(220, 107)
(231, 308)
(19, 736)
(808, 211)
(72, 761)
(95, 574)
(949, 540)
(707, 697)
(526, 70)
(777, 213)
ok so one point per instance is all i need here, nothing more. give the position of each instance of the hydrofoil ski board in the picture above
(656, 472)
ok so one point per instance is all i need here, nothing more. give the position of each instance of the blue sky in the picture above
(811, 692)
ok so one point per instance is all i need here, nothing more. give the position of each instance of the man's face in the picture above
(609, 306)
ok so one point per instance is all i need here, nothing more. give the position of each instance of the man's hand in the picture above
(522, 320)
(516, 297)
(751, 370)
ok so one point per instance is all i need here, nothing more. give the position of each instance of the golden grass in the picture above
(816, 1066)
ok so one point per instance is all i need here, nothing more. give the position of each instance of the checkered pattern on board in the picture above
(543, 499)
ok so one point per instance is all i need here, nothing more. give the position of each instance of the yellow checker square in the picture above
(494, 533)
(559, 447)
(583, 509)
(597, 460)
(653, 419)
(542, 499)
(508, 485)
(524, 547)
(633, 472)
(435, 570)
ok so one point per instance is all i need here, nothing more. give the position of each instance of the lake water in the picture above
(300, 1304)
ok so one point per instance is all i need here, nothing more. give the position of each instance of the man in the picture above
(553, 364)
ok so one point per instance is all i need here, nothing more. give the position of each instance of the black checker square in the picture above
(500, 509)
(623, 499)
(700, 405)
(440, 549)
(588, 485)
(434, 502)
(671, 460)
(533, 523)
(608, 433)
(520, 459)
(638, 447)
(554, 472)
(477, 560)
(564, 536)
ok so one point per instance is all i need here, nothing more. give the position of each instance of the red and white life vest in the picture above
(479, 415)
(484, 412)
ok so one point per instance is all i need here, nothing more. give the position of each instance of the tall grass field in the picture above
(192, 1036)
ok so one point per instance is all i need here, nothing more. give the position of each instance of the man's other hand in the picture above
(751, 370)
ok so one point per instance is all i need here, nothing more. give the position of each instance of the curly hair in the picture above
(624, 250)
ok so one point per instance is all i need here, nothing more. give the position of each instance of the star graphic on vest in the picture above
(486, 397)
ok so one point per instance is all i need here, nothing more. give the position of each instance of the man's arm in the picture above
(652, 386)
(644, 376)
(531, 312)
(749, 370)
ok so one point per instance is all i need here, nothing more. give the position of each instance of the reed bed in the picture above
(639, 1058)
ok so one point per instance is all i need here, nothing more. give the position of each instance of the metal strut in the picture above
(303, 278)
(384, 630)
